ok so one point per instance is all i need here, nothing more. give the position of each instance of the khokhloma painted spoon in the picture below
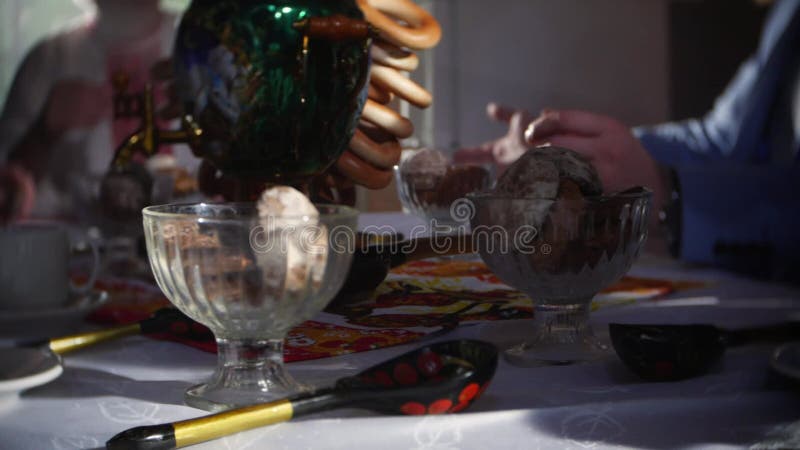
(439, 378)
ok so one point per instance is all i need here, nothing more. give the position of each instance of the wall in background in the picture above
(609, 56)
(708, 41)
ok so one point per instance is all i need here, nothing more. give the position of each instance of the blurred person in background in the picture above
(57, 135)
(727, 185)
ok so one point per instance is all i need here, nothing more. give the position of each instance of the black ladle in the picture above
(162, 321)
(676, 352)
(371, 264)
(438, 378)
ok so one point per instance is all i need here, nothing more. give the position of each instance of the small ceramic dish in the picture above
(50, 321)
(25, 368)
(785, 360)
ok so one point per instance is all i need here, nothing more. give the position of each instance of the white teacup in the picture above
(34, 265)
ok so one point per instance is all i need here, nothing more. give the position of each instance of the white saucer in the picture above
(50, 321)
(24, 368)
(786, 360)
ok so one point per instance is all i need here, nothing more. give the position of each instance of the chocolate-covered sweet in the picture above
(529, 177)
(560, 228)
(425, 167)
(436, 183)
(536, 174)
(459, 181)
(556, 185)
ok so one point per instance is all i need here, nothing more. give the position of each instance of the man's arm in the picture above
(733, 128)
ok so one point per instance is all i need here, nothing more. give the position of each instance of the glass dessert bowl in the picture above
(430, 185)
(560, 252)
(249, 279)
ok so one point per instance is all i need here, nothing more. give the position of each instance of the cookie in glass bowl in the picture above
(429, 182)
(549, 231)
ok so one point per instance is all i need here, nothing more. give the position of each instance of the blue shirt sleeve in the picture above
(712, 137)
(737, 208)
(733, 129)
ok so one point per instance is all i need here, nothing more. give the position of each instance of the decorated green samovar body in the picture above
(273, 91)
(275, 87)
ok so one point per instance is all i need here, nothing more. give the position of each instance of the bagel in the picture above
(361, 172)
(378, 94)
(381, 153)
(388, 54)
(388, 119)
(422, 32)
(374, 148)
(393, 81)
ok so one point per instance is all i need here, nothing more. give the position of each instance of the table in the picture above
(139, 381)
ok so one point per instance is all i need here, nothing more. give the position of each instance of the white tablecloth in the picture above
(139, 381)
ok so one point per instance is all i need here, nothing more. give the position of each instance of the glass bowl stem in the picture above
(561, 334)
(248, 371)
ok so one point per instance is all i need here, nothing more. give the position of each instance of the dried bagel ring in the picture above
(388, 119)
(388, 54)
(361, 172)
(393, 81)
(377, 148)
(422, 32)
(378, 94)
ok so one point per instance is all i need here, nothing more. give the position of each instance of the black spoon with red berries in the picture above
(439, 378)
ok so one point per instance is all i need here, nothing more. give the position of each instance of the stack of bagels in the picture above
(403, 28)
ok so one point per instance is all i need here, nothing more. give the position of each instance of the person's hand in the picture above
(17, 193)
(75, 104)
(620, 159)
(502, 151)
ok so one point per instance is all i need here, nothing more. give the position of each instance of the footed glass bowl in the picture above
(249, 280)
(560, 253)
(437, 195)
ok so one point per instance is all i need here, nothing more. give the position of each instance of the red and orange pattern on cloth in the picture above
(416, 299)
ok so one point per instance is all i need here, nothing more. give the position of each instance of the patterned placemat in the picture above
(443, 293)
(415, 300)
(134, 300)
